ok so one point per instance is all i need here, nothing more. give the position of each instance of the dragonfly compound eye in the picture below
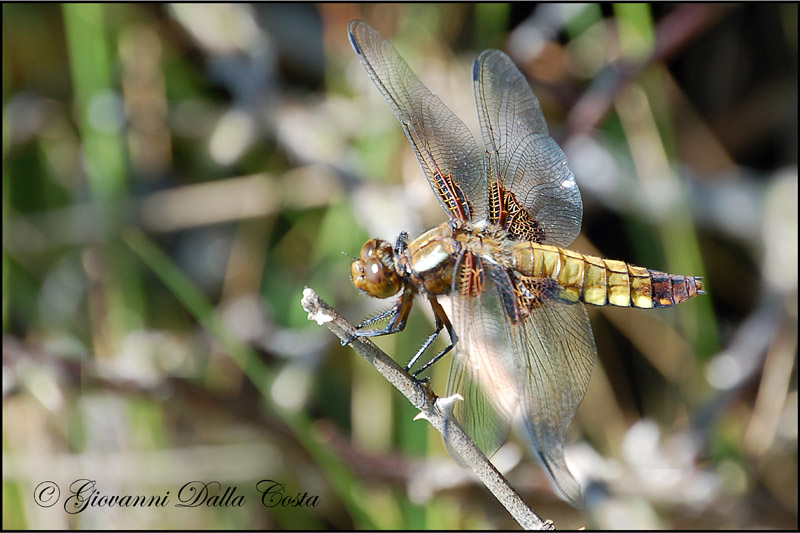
(381, 281)
(376, 248)
(374, 278)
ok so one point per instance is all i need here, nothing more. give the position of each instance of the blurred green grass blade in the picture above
(13, 499)
(96, 97)
(91, 69)
(636, 35)
(7, 81)
(6, 262)
(258, 373)
(645, 115)
(491, 21)
(677, 233)
(583, 19)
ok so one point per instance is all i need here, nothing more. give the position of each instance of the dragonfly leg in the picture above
(429, 363)
(401, 253)
(438, 356)
(377, 318)
(424, 347)
(402, 243)
(442, 322)
(399, 313)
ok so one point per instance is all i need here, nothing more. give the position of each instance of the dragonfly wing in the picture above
(527, 343)
(444, 146)
(558, 349)
(481, 375)
(521, 157)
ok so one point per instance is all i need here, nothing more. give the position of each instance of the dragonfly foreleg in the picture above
(377, 318)
(402, 243)
(399, 316)
(401, 254)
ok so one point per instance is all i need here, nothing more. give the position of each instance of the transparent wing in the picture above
(483, 376)
(559, 349)
(521, 157)
(513, 353)
(444, 146)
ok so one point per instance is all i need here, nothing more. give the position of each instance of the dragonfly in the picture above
(498, 274)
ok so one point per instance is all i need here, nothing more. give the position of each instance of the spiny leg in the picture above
(401, 245)
(377, 318)
(424, 347)
(441, 321)
(399, 313)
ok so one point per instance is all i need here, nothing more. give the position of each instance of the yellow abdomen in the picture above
(600, 281)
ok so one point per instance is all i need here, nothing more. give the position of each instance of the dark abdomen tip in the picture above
(669, 290)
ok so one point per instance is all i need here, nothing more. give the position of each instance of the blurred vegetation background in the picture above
(174, 175)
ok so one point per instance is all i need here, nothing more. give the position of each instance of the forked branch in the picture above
(431, 408)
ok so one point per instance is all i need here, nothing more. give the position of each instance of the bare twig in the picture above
(432, 409)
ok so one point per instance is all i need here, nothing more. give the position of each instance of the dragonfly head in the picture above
(374, 273)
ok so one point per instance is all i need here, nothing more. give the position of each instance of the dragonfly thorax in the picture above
(432, 257)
